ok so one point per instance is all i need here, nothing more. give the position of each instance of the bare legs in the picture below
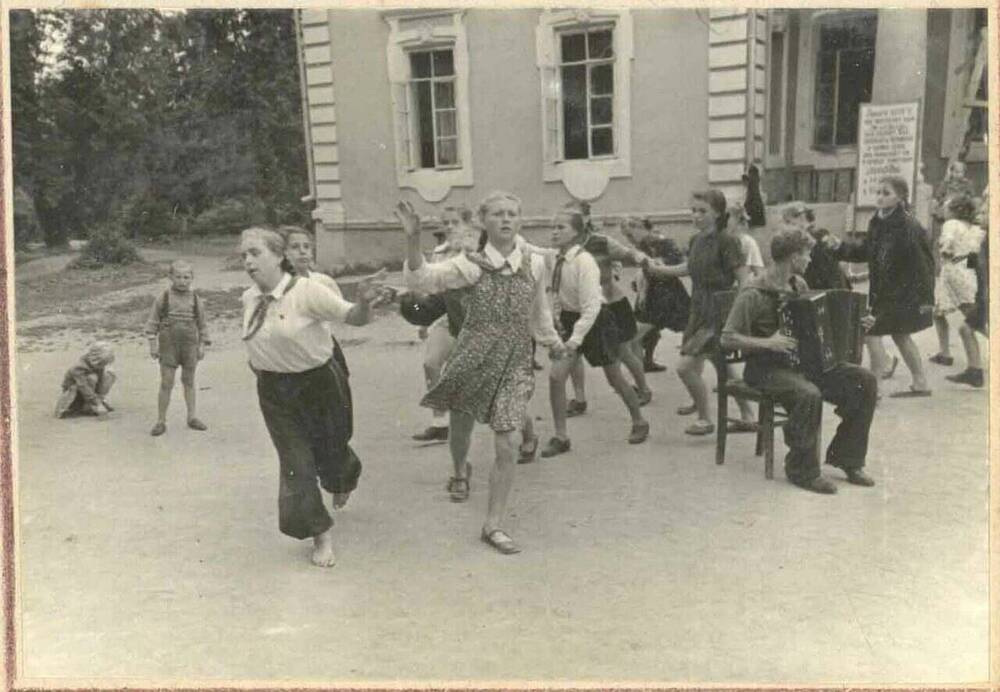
(690, 368)
(943, 335)
(501, 480)
(167, 377)
(914, 361)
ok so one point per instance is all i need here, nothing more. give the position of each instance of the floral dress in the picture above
(956, 284)
(489, 374)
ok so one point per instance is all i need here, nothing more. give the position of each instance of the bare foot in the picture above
(323, 549)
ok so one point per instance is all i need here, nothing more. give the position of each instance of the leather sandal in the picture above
(527, 451)
(554, 447)
(459, 487)
(687, 410)
(701, 427)
(499, 540)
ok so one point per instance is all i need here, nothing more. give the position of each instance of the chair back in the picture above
(723, 304)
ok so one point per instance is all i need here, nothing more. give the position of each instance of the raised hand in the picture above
(408, 217)
(868, 321)
(371, 289)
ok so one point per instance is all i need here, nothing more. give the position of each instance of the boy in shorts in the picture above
(177, 338)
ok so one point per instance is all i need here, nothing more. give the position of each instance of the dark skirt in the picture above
(602, 344)
(621, 311)
(665, 305)
(903, 319)
(700, 335)
(309, 417)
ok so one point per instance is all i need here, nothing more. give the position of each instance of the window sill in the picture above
(432, 184)
(587, 178)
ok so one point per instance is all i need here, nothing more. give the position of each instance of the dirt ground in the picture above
(147, 558)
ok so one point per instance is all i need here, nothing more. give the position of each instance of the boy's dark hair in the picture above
(810, 215)
(962, 207)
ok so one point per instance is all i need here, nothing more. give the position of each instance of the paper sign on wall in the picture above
(887, 145)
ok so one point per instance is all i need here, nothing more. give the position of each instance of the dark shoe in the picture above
(644, 397)
(640, 431)
(458, 488)
(196, 424)
(741, 426)
(158, 429)
(554, 447)
(910, 393)
(688, 410)
(526, 454)
(859, 477)
(942, 359)
(499, 539)
(536, 365)
(818, 485)
(887, 375)
(653, 366)
(432, 434)
(576, 408)
(970, 376)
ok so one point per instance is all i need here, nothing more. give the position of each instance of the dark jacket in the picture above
(900, 262)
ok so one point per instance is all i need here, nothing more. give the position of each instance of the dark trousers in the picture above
(308, 415)
(852, 389)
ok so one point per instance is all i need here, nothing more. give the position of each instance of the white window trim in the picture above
(777, 23)
(433, 185)
(586, 178)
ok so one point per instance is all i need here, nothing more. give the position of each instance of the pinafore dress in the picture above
(489, 373)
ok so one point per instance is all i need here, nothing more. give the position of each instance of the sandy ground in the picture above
(159, 558)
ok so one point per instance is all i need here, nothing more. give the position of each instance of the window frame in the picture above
(588, 63)
(416, 31)
(955, 114)
(433, 80)
(584, 178)
(777, 24)
(819, 21)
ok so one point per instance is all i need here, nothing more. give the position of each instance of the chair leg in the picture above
(722, 416)
(769, 446)
(765, 413)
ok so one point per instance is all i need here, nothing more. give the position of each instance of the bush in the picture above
(26, 228)
(147, 216)
(106, 245)
(229, 216)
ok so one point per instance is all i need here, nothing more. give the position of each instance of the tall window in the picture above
(586, 73)
(978, 122)
(845, 67)
(434, 117)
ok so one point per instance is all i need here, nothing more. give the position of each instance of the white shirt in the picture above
(752, 251)
(579, 290)
(460, 271)
(294, 336)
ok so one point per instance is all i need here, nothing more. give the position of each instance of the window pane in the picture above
(599, 44)
(425, 129)
(601, 142)
(444, 64)
(573, 48)
(446, 123)
(600, 111)
(574, 90)
(602, 80)
(774, 93)
(444, 94)
(448, 152)
(857, 69)
(420, 65)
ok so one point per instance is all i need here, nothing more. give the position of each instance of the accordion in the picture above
(827, 327)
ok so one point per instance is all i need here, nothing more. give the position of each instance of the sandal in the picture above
(459, 487)
(639, 433)
(702, 427)
(502, 542)
(741, 426)
(941, 359)
(644, 396)
(910, 393)
(528, 451)
(687, 410)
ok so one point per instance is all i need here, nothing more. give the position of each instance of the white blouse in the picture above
(460, 272)
(294, 336)
(579, 290)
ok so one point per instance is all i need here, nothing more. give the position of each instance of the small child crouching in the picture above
(87, 383)
(177, 338)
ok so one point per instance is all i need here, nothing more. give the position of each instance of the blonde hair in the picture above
(273, 241)
(99, 353)
(180, 265)
(497, 196)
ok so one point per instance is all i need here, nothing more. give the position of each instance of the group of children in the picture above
(177, 334)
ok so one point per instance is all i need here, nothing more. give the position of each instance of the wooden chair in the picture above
(767, 417)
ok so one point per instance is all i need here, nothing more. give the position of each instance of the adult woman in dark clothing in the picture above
(302, 392)
(901, 279)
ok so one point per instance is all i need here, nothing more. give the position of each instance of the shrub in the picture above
(229, 216)
(106, 245)
(148, 216)
(26, 227)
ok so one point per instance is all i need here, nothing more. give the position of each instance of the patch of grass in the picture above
(61, 291)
